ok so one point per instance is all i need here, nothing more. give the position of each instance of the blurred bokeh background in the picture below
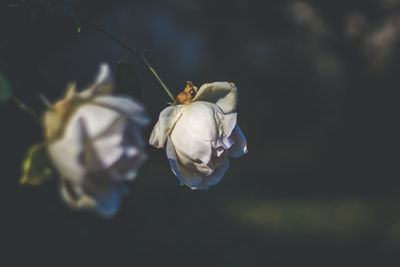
(317, 81)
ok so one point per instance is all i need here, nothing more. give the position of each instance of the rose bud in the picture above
(200, 133)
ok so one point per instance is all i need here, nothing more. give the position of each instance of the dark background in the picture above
(317, 81)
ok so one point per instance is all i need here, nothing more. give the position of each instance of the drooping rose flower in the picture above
(95, 142)
(201, 133)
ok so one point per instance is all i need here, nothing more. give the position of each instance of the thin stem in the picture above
(119, 42)
(124, 46)
(144, 60)
(115, 39)
(130, 49)
(45, 101)
(24, 107)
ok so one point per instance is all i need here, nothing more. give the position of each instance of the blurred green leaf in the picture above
(127, 80)
(5, 88)
(78, 27)
(36, 168)
(339, 218)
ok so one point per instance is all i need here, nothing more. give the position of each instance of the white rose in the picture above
(95, 143)
(201, 136)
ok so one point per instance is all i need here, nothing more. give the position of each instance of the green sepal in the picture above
(36, 167)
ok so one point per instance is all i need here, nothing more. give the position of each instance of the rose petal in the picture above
(166, 122)
(218, 151)
(66, 153)
(102, 131)
(240, 146)
(74, 197)
(185, 176)
(206, 121)
(189, 144)
(226, 123)
(223, 94)
(127, 167)
(97, 119)
(195, 166)
(103, 75)
(109, 144)
(125, 106)
(215, 177)
(227, 142)
(199, 120)
(108, 206)
(90, 156)
(134, 135)
(221, 145)
(103, 83)
(173, 162)
(104, 190)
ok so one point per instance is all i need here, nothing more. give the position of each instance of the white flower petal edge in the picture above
(239, 148)
(194, 180)
(126, 106)
(103, 83)
(166, 122)
(223, 94)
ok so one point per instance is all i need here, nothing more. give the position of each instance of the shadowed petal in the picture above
(239, 148)
(185, 176)
(226, 123)
(74, 197)
(215, 177)
(104, 190)
(127, 167)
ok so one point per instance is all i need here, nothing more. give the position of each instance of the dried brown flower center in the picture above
(187, 95)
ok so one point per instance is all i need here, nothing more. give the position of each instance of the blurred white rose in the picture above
(95, 142)
(201, 136)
